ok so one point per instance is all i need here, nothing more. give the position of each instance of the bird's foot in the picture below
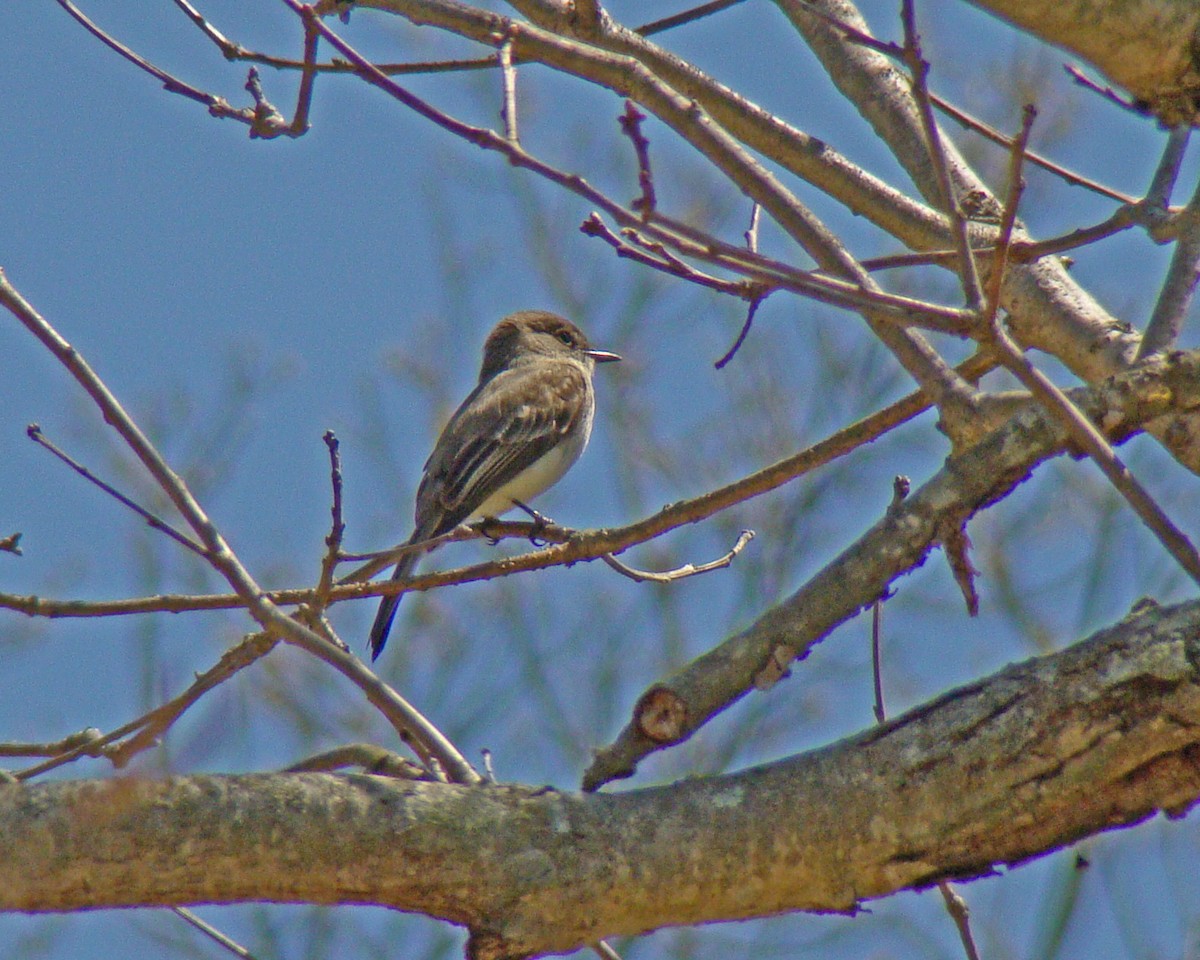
(540, 523)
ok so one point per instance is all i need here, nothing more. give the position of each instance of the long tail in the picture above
(388, 605)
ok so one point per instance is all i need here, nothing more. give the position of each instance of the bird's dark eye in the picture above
(566, 337)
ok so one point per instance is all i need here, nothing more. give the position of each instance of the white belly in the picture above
(534, 479)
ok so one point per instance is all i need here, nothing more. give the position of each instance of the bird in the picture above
(524, 425)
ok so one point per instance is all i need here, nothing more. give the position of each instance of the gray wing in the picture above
(504, 426)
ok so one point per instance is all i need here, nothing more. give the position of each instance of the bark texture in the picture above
(1149, 47)
(1101, 735)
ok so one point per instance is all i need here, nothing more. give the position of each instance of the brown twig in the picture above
(86, 738)
(369, 757)
(956, 906)
(158, 721)
(593, 226)
(631, 126)
(263, 121)
(1171, 308)
(956, 545)
(680, 573)
(1009, 217)
(751, 234)
(217, 936)
(34, 432)
(685, 16)
(337, 529)
(1058, 404)
(1023, 251)
(1106, 92)
(948, 195)
(743, 333)
(877, 659)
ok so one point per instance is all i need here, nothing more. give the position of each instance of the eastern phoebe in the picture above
(522, 427)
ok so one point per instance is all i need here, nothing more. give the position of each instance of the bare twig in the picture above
(263, 120)
(1167, 172)
(1023, 251)
(593, 226)
(158, 721)
(84, 738)
(751, 234)
(679, 573)
(11, 544)
(337, 529)
(957, 547)
(876, 659)
(34, 432)
(1171, 309)
(1108, 93)
(743, 333)
(601, 947)
(371, 758)
(1009, 218)
(919, 69)
(508, 75)
(956, 906)
(631, 126)
(1080, 428)
(213, 933)
(686, 16)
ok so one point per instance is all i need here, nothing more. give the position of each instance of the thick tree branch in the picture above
(1033, 758)
(1148, 48)
(674, 709)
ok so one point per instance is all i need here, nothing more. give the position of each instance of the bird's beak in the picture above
(602, 356)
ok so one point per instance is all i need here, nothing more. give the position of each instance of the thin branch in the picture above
(84, 738)
(1175, 299)
(919, 70)
(956, 906)
(213, 933)
(1009, 217)
(1167, 172)
(337, 529)
(877, 660)
(593, 226)
(34, 432)
(743, 333)
(367, 756)
(263, 121)
(508, 75)
(1108, 93)
(158, 721)
(680, 573)
(1059, 405)
(11, 544)
(956, 545)
(1024, 251)
(751, 234)
(631, 126)
(686, 16)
